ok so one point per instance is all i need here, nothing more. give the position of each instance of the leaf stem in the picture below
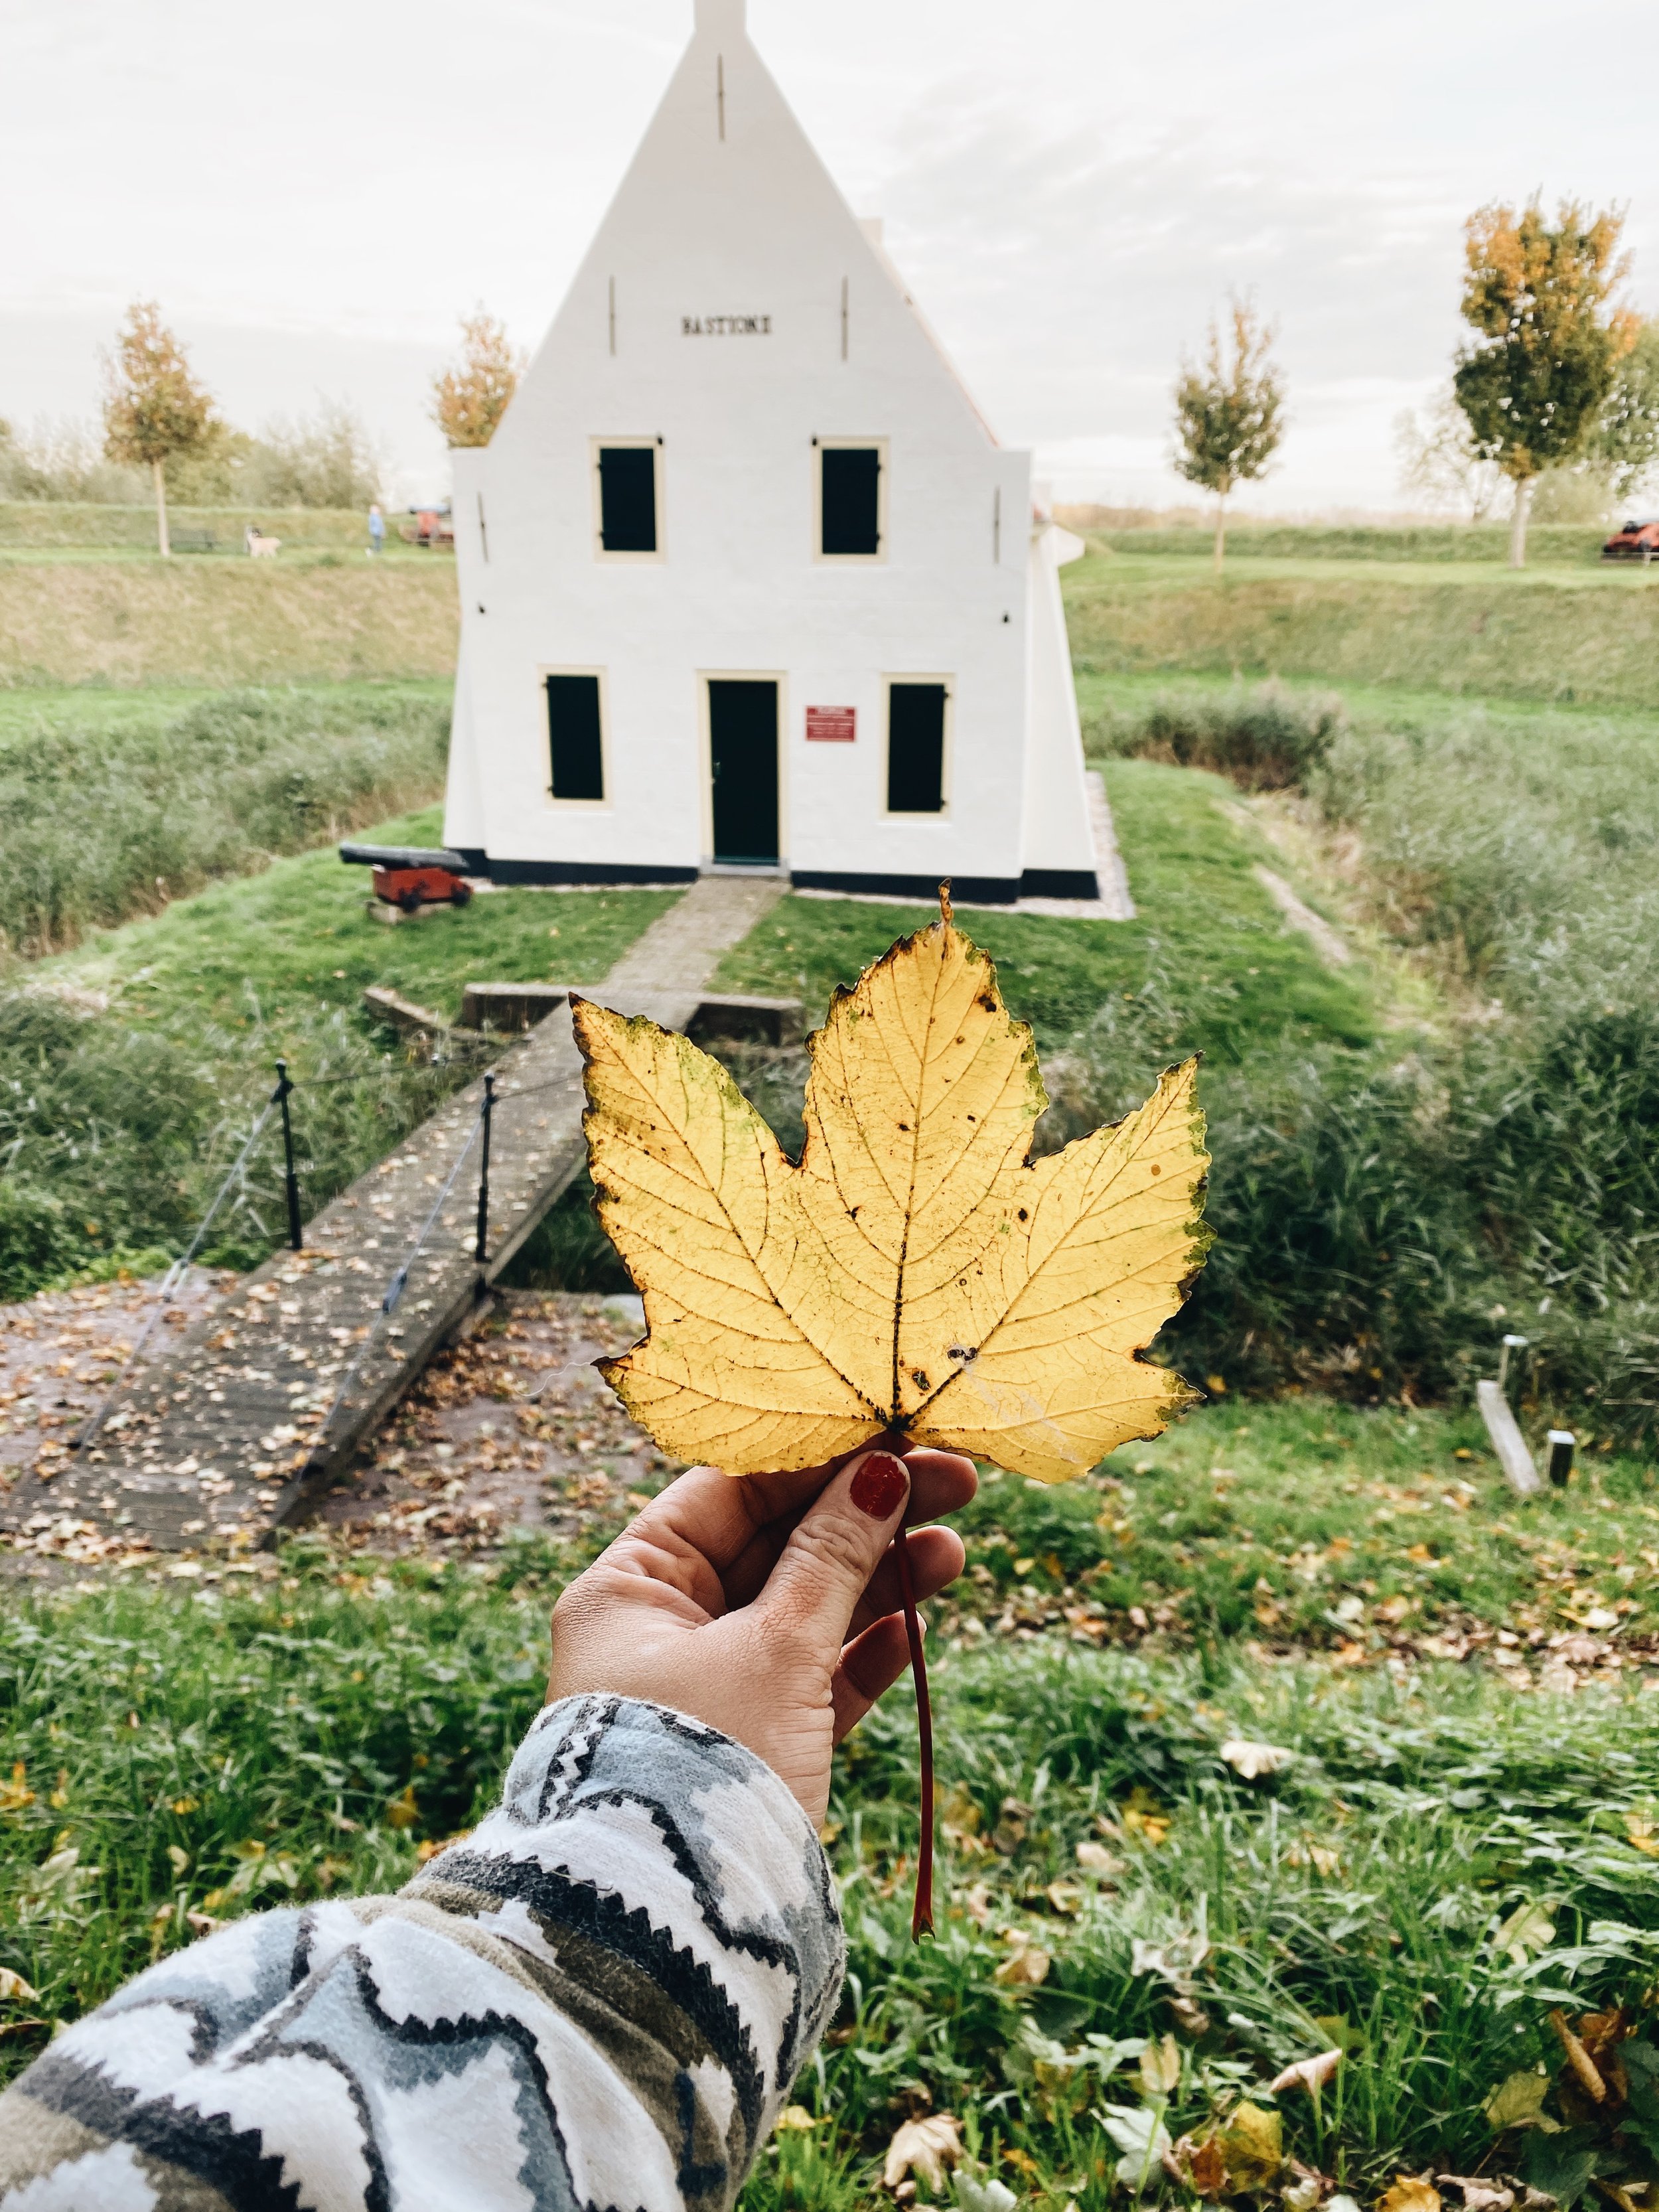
(922, 1920)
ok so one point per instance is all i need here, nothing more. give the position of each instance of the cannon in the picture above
(410, 875)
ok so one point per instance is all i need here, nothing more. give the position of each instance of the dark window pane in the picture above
(915, 748)
(628, 499)
(573, 732)
(852, 499)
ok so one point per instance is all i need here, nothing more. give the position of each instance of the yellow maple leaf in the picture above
(1252, 2144)
(917, 1271)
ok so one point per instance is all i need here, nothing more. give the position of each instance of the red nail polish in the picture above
(879, 1485)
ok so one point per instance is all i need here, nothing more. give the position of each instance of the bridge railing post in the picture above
(482, 1246)
(284, 1090)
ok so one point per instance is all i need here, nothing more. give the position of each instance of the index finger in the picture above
(740, 1524)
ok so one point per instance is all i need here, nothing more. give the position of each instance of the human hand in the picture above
(768, 1608)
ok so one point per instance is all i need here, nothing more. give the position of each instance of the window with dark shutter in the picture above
(628, 499)
(915, 748)
(849, 502)
(574, 737)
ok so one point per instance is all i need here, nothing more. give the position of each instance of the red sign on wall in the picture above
(832, 725)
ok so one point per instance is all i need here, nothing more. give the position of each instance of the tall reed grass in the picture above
(103, 821)
(1384, 1215)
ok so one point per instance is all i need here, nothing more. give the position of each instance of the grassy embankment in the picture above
(319, 617)
(32, 527)
(1565, 633)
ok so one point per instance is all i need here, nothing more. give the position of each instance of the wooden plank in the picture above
(1507, 1440)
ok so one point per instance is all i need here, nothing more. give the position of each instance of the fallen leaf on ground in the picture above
(1160, 2068)
(1027, 1969)
(794, 2119)
(1253, 1760)
(1253, 2144)
(1206, 2169)
(13, 1989)
(1477, 2196)
(1409, 2194)
(982, 2194)
(927, 2148)
(1516, 2102)
(1528, 1929)
(1094, 1858)
(1309, 2074)
(1141, 2136)
(1176, 1960)
(917, 1271)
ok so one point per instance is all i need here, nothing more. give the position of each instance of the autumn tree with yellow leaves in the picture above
(470, 397)
(1230, 413)
(153, 409)
(1549, 337)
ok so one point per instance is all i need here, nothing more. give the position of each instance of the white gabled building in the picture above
(746, 580)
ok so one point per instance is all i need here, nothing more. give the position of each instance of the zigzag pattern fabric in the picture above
(599, 1999)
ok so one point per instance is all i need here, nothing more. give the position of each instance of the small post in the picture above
(483, 1172)
(1563, 1445)
(284, 1088)
(1511, 1344)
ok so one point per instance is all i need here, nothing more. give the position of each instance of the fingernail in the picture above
(879, 1485)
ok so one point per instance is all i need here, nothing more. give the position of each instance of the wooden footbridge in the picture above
(259, 1404)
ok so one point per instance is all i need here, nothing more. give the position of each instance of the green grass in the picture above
(1548, 545)
(1202, 915)
(1561, 634)
(222, 1739)
(276, 951)
(1316, 1524)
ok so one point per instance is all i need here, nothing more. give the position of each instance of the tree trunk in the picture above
(160, 511)
(1519, 523)
(1220, 530)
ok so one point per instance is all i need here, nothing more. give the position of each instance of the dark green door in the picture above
(742, 749)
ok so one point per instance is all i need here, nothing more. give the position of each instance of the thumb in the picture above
(835, 1548)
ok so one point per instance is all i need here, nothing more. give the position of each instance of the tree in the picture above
(1624, 446)
(469, 398)
(1438, 462)
(1229, 416)
(325, 459)
(153, 408)
(1549, 337)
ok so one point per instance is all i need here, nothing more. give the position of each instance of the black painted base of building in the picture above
(971, 891)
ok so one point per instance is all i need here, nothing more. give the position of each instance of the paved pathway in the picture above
(252, 1410)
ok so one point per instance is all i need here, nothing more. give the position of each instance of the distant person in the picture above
(376, 530)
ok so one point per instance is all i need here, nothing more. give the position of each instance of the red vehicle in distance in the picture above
(1633, 541)
(433, 528)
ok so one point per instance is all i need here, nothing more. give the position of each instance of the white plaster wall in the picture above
(750, 225)
(1057, 833)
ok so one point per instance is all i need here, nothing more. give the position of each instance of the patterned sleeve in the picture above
(599, 1999)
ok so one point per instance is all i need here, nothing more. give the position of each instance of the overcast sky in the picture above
(314, 192)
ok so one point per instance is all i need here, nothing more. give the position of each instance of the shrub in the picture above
(1266, 738)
